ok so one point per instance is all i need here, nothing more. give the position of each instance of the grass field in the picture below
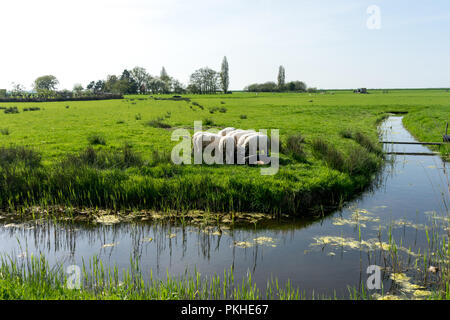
(339, 155)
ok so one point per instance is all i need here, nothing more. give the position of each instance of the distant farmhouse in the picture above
(361, 90)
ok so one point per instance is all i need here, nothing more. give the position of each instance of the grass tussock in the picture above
(365, 142)
(158, 123)
(11, 110)
(96, 139)
(19, 155)
(294, 147)
(208, 122)
(329, 154)
(105, 159)
(358, 162)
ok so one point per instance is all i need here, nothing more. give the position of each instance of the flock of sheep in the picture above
(235, 145)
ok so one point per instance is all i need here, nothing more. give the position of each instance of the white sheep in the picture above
(237, 135)
(224, 132)
(253, 145)
(204, 139)
(227, 149)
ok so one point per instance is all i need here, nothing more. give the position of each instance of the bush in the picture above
(4, 131)
(243, 116)
(97, 139)
(138, 116)
(223, 110)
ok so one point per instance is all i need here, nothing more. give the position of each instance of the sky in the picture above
(328, 44)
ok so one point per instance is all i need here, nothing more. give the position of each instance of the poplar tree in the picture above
(224, 76)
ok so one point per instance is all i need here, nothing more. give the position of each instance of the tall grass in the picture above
(33, 279)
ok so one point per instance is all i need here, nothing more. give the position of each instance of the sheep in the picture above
(253, 145)
(225, 131)
(238, 134)
(203, 139)
(227, 149)
(243, 137)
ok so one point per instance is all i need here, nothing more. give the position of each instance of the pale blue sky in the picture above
(325, 43)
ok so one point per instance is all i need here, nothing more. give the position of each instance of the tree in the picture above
(163, 75)
(262, 87)
(45, 84)
(177, 87)
(140, 76)
(166, 79)
(224, 75)
(296, 86)
(156, 85)
(91, 86)
(281, 78)
(99, 87)
(204, 80)
(111, 81)
(78, 89)
(131, 85)
(17, 89)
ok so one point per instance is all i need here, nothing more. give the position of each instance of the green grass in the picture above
(35, 279)
(306, 181)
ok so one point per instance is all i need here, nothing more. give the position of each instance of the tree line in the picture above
(139, 81)
(280, 85)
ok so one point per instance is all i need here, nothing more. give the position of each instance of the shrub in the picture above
(138, 116)
(243, 116)
(97, 139)
(4, 131)
(223, 110)
(120, 121)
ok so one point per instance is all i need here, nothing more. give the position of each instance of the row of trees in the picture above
(139, 81)
(280, 86)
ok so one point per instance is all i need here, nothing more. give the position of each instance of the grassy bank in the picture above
(114, 154)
